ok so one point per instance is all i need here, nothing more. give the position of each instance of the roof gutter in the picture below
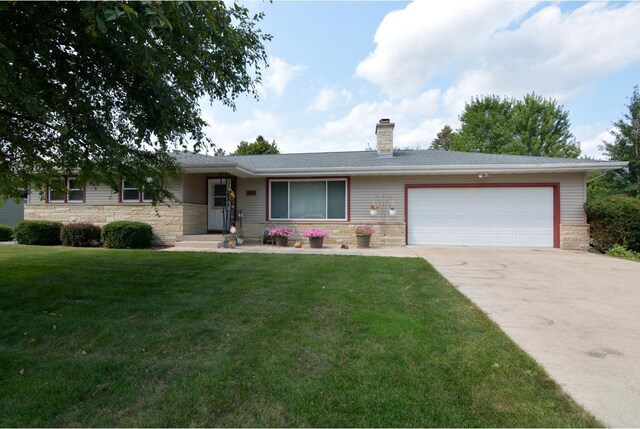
(449, 169)
(403, 170)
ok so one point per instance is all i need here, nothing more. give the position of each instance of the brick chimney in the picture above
(384, 138)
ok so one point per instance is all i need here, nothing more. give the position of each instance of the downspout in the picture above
(597, 177)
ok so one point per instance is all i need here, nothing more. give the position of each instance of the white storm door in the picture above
(217, 201)
(486, 216)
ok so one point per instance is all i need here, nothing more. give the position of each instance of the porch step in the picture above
(203, 241)
(200, 237)
(198, 244)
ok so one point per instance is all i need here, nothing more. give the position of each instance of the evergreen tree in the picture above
(444, 139)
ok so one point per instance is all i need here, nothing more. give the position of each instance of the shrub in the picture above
(127, 235)
(80, 235)
(622, 252)
(38, 232)
(6, 233)
(614, 220)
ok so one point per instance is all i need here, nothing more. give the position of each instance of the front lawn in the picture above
(94, 337)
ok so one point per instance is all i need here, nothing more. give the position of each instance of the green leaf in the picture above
(101, 25)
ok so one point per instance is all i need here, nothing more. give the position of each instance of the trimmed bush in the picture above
(614, 220)
(127, 235)
(6, 233)
(38, 232)
(80, 235)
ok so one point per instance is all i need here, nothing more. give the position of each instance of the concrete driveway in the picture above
(577, 314)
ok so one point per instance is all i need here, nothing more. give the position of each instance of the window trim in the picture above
(66, 200)
(346, 179)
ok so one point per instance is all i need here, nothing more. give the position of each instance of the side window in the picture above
(74, 192)
(129, 192)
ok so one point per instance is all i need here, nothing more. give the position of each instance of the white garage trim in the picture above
(555, 187)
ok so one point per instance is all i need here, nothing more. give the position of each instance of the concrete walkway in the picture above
(331, 249)
(576, 313)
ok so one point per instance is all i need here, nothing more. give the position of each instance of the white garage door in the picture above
(509, 216)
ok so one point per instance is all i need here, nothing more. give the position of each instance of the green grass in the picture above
(92, 337)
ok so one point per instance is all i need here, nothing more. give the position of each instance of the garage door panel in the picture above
(503, 216)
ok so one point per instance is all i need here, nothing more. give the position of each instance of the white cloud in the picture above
(493, 47)
(412, 115)
(430, 37)
(591, 137)
(277, 77)
(328, 98)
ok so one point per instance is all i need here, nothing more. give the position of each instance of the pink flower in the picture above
(365, 230)
(280, 231)
(314, 232)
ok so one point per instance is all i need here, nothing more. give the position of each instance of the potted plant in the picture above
(374, 208)
(232, 237)
(363, 235)
(240, 237)
(316, 237)
(281, 235)
(392, 210)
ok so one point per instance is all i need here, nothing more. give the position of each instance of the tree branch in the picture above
(27, 118)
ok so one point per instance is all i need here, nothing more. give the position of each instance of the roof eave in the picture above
(446, 169)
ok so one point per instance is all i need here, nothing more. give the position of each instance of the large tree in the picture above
(533, 126)
(625, 147)
(108, 89)
(259, 147)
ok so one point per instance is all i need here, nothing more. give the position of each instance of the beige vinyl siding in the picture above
(364, 189)
(252, 206)
(104, 195)
(11, 212)
(194, 188)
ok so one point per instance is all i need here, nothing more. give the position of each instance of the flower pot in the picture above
(374, 212)
(392, 212)
(316, 242)
(363, 241)
(232, 243)
(282, 241)
(240, 241)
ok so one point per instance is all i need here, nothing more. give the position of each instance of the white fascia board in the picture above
(233, 168)
(446, 169)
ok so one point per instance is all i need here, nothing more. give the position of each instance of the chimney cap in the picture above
(385, 121)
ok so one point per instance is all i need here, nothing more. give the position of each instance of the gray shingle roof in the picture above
(413, 159)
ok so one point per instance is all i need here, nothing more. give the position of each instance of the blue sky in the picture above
(338, 67)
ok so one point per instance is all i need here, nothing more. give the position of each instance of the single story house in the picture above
(441, 198)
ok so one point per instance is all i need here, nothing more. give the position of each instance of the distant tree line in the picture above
(536, 126)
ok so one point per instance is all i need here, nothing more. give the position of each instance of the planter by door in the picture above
(316, 242)
(282, 241)
(363, 240)
(374, 212)
(392, 212)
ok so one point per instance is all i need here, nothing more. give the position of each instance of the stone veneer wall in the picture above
(194, 219)
(392, 234)
(167, 222)
(574, 237)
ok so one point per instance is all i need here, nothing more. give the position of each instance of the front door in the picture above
(217, 189)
